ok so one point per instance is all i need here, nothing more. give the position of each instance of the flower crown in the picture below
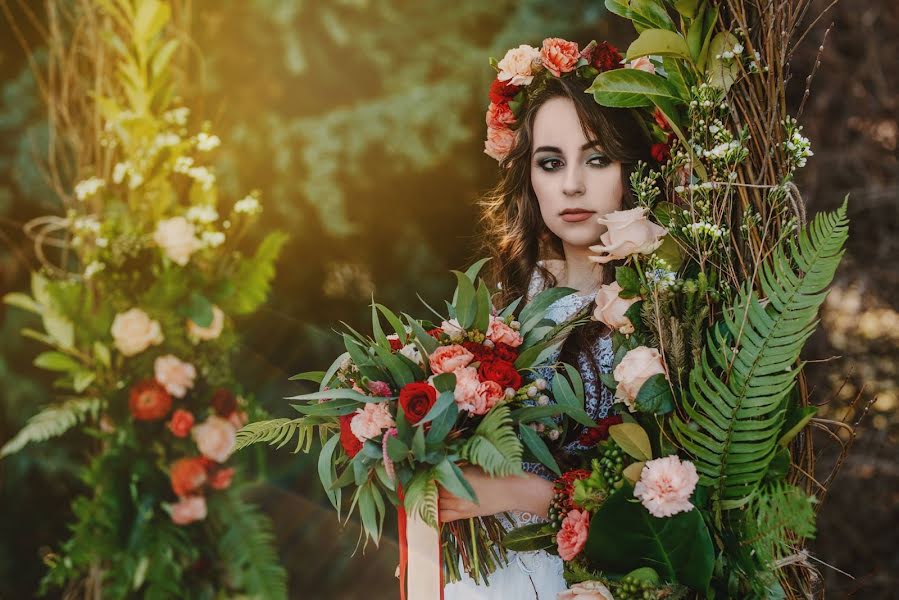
(524, 71)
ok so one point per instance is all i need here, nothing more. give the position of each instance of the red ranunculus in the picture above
(480, 351)
(149, 401)
(224, 402)
(416, 399)
(187, 475)
(181, 422)
(500, 371)
(506, 352)
(348, 439)
(660, 152)
(600, 433)
(501, 92)
(606, 57)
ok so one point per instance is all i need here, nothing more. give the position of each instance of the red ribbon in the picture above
(404, 546)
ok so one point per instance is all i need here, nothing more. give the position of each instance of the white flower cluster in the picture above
(93, 268)
(202, 214)
(88, 224)
(248, 205)
(206, 142)
(704, 228)
(661, 278)
(798, 147)
(696, 187)
(122, 169)
(165, 140)
(87, 188)
(723, 151)
(177, 116)
(729, 54)
(183, 164)
(212, 239)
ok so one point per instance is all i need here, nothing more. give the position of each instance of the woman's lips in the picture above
(576, 216)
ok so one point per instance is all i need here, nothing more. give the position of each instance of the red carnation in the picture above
(506, 352)
(181, 422)
(480, 351)
(187, 475)
(600, 433)
(606, 57)
(395, 344)
(416, 399)
(501, 92)
(660, 152)
(224, 402)
(149, 401)
(348, 439)
(500, 371)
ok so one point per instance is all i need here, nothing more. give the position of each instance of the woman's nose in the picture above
(574, 182)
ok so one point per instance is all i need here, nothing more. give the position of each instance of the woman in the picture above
(567, 163)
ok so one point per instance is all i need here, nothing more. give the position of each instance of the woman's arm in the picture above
(528, 493)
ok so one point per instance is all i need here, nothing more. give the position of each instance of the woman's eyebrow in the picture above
(587, 146)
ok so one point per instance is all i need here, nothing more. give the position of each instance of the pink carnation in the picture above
(499, 142)
(499, 115)
(559, 56)
(188, 509)
(447, 359)
(573, 535)
(371, 420)
(499, 332)
(665, 486)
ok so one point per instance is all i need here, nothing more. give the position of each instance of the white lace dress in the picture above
(538, 574)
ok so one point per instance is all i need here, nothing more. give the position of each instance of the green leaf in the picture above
(797, 418)
(56, 361)
(327, 473)
(538, 448)
(442, 424)
(483, 308)
(394, 321)
(629, 281)
(444, 401)
(687, 8)
(101, 354)
(198, 309)
(337, 393)
(451, 478)
(659, 42)
(633, 440)
(444, 382)
(313, 376)
(23, 301)
(397, 451)
(528, 538)
(494, 446)
(427, 342)
(679, 547)
(464, 300)
(535, 310)
(722, 73)
(418, 444)
(655, 396)
(645, 14)
(81, 380)
(255, 276)
(632, 88)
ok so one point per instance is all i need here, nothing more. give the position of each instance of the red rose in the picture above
(600, 433)
(501, 92)
(149, 401)
(187, 475)
(500, 371)
(348, 439)
(224, 402)
(221, 478)
(660, 152)
(181, 422)
(480, 351)
(606, 57)
(416, 399)
(506, 352)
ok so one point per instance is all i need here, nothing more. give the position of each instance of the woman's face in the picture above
(574, 181)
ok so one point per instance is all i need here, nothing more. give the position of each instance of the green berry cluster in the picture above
(631, 588)
(557, 510)
(611, 462)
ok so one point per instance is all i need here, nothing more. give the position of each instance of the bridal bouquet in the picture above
(398, 413)
(702, 484)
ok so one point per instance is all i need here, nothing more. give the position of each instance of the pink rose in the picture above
(499, 142)
(447, 359)
(517, 66)
(610, 308)
(370, 420)
(635, 368)
(499, 115)
(212, 331)
(627, 232)
(573, 535)
(498, 332)
(665, 486)
(176, 376)
(221, 478)
(586, 590)
(559, 56)
(133, 331)
(215, 438)
(177, 239)
(189, 509)
(642, 64)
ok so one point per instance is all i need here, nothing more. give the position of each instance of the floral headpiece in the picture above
(524, 71)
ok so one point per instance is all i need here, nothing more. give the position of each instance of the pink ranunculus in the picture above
(499, 115)
(370, 420)
(627, 232)
(517, 66)
(559, 56)
(489, 394)
(133, 331)
(188, 509)
(215, 438)
(380, 389)
(466, 391)
(177, 239)
(635, 368)
(586, 590)
(175, 375)
(447, 359)
(573, 535)
(221, 478)
(499, 143)
(610, 308)
(499, 332)
(642, 64)
(665, 486)
(211, 331)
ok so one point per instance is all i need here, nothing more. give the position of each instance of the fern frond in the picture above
(276, 432)
(494, 446)
(777, 518)
(53, 421)
(741, 385)
(421, 498)
(255, 275)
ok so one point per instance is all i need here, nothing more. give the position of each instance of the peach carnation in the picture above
(559, 56)
(370, 420)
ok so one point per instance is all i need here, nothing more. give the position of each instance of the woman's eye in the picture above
(550, 164)
(599, 161)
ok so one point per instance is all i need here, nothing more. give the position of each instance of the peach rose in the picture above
(177, 238)
(628, 232)
(517, 66)
(133, 331)
(665, 486)
(212, 331)
(499, 332)
(488, 395)
(559, 56)
(635, 368)
(215, 438)
(500, 115)
(610, 308)
(187, 510)
(573, 535)
(499, 142)
(175, 375)
(586, 590)
(447, 359)
(371, 420)
(642, 64)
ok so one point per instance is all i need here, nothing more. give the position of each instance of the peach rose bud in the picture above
(635, 368)
(610, 308)
(628, 232)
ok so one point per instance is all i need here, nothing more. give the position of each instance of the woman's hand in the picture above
(496, 495)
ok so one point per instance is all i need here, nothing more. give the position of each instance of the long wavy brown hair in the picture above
(515, 236)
